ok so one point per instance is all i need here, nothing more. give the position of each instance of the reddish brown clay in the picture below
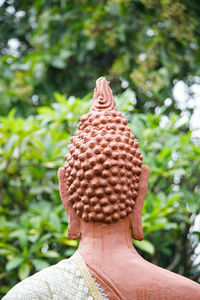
(102, 186)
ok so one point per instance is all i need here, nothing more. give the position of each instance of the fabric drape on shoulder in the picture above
(70, 279)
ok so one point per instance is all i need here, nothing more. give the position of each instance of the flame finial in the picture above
(103, 98)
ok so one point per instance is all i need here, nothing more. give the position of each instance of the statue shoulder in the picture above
(182, 287)
(174, 285)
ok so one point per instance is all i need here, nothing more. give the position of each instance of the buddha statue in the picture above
(103, 186)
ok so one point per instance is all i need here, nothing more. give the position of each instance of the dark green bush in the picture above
(66, 45)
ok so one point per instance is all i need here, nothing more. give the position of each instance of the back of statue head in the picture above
(103, 167)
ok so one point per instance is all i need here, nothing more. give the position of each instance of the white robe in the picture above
(68, 280)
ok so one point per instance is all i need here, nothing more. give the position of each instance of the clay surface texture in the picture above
(104, 163)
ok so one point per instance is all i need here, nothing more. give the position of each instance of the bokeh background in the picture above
(51, 53)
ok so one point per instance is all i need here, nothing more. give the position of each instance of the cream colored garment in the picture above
(68, 280)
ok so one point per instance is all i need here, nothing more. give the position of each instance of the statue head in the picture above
(103, 179)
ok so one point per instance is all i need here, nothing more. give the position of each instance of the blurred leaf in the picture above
(51, 254)
(13, 263)
(11, 142)
(40, 264)
(55, 222)
(145, 246)
(24, 271)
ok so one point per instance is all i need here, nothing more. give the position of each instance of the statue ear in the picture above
(74, 222)
(136, 216)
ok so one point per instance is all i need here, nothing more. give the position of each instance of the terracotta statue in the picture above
(102, 186)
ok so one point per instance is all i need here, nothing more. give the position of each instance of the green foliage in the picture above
(32, 217)
(33, 223)
(65, 45)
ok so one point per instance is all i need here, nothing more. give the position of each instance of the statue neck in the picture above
(104, 244)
